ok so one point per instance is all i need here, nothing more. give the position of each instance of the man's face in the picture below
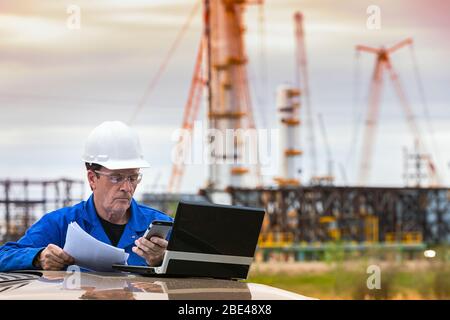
(113, 198)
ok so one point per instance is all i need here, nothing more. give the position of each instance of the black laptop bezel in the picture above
(150, 271)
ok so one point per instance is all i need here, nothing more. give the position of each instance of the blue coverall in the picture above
(52, 228)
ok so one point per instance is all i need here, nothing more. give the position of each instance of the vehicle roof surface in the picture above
(62, 285)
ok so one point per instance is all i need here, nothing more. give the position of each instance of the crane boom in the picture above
(412, 123)
(400, 45)
(190, 114)
(302, 82)
(371, 124)
(327, 147)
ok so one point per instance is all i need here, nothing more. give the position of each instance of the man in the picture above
(112, 158)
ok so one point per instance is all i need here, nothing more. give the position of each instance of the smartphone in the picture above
(158, 228)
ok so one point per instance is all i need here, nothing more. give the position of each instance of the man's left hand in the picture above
(151, 250)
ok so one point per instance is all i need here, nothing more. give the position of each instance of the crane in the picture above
(302, 82)
(383, 65)
(329, 178)
(191, 110)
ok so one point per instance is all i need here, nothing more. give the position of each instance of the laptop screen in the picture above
(216, 229)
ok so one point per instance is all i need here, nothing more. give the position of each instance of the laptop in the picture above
(208, 240)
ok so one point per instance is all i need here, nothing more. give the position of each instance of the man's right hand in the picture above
(53, 258)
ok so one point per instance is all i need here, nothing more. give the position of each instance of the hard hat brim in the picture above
(122, 164)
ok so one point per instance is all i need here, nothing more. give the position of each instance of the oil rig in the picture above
(301, 218)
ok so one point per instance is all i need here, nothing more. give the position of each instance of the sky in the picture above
(57, 83)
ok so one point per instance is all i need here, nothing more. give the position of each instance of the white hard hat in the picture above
(114, 145)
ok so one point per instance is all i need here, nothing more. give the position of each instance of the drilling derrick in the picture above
(221, 69)
(229, 102)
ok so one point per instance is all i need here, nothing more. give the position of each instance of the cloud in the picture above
(57, 84)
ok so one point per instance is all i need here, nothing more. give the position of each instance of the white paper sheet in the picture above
(90, 253)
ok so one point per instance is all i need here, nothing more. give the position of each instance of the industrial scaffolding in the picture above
(352, 214)
(22, 202)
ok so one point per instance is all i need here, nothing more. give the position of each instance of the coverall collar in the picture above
(137, 223)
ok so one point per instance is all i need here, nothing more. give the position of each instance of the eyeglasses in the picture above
(118, 178)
